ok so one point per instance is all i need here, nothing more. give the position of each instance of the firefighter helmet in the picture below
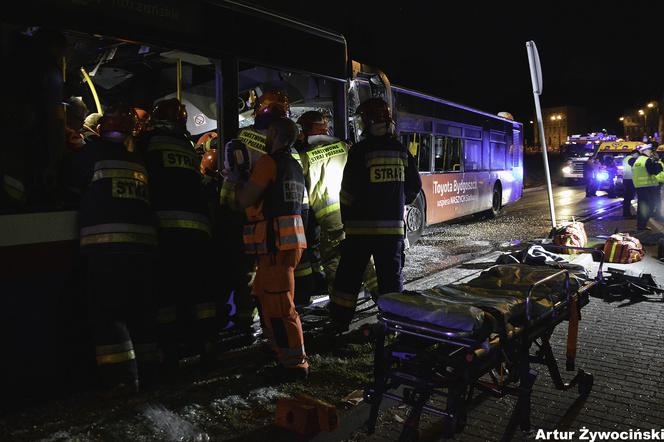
(209, 162)
(121, 119)
(206, 141)
(274, 103)
(170, 111)
(313, 123)
(374, 111)
(143, 120)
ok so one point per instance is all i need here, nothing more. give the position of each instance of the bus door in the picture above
(366, 82)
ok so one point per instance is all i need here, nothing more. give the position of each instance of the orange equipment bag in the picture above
(623, 248)
(570, 234)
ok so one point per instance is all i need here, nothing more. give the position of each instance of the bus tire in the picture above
(415, 219)
(496, 201)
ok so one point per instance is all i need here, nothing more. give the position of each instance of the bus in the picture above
(469, 161)
(217, 56)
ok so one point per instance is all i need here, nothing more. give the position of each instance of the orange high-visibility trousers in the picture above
(274, 288)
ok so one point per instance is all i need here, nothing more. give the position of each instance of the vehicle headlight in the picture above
(567, 169)
(602, 176)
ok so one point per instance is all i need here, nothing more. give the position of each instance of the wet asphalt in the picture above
(449, 244)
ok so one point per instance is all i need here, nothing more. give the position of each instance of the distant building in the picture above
(559, 122)
(632, 125)
(640, 123)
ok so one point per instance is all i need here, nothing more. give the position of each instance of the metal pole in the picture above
(178, 75)
(536, 78)
(219, 87)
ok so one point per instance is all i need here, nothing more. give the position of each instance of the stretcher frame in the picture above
(455, 368)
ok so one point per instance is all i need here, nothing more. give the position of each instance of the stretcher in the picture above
(453, 340)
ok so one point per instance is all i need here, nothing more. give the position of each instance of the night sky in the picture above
(600, 56)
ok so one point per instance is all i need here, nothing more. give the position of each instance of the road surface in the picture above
(448, 244)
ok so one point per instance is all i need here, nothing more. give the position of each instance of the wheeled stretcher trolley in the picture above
(482, 335)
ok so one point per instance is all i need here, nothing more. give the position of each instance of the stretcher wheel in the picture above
(586, 381)
(409, 434)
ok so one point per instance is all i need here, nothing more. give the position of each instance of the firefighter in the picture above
(118, 236)
(647, 174)
(628, 184)
(273, 197)
(270, 106)
(186, 317)
(323, 161)
(380, 177)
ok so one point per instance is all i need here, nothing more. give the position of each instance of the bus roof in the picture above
(215, 28)
(618, 146)
(450, 103)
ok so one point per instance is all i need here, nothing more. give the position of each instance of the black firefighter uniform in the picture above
(118, 235)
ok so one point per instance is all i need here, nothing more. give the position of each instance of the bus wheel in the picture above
(496, 201)
(415, 220)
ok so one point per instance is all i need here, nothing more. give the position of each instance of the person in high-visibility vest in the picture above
(274, 234)
(187, 318)
(323, 160)
(628, 184)
(118, 236)
(647, 174)
(238, 267)
(379, 179)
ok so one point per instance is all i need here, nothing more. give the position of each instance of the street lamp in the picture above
(621, 118)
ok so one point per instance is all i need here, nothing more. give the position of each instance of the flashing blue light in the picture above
(602, 176)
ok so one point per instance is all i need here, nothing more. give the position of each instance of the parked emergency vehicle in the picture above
(577, 150)
(617, 150)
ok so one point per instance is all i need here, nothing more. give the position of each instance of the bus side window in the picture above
(448, 154)
(498, 151)
(424, 154)
(472, 151)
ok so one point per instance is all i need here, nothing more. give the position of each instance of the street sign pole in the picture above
(536, 79)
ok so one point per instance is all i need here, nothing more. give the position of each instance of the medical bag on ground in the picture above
(623, 248)
(570, 234)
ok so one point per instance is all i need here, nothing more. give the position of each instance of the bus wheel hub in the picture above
(414, 219)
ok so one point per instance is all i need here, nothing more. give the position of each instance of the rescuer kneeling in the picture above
(380, 177)
(118, 236)
(273, 197)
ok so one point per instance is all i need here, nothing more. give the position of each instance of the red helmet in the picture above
(373, 111)
(121, 119)
(313, 123)
(209, 162)
(170, 111)
(206, 140)
(272, 102)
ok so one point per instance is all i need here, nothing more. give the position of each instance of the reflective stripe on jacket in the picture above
(255, 142)
(281, 226)
(378, 175)
(640, 175)
(115, 213)
(176, 186)
(325, 167)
